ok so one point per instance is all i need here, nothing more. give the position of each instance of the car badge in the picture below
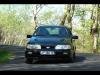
(47, 47)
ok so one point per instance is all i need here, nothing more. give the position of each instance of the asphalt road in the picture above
(83, 62)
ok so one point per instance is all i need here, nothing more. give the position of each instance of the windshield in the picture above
(52, 31)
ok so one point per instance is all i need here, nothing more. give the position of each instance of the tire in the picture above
(29, 60)
(74, 55)
(71, 57)
(71, 60)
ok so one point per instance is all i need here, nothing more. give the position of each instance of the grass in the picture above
(5, 56)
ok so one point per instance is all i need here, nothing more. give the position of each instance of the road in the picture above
(83, 62)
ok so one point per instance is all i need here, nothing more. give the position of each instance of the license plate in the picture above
(29, 52)
(47, 53)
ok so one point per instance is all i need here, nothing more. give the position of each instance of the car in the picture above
(51, 42)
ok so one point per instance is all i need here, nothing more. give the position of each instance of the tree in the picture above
(46, 17)
(83, 25)
(36, 10)
(69, 12)
(14, 25)
(94, 28)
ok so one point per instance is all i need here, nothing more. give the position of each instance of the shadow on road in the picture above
(78, 59)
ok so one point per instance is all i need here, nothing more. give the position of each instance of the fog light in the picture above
(65, 53)
(29, 52)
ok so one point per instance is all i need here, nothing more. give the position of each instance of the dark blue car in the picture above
(50, 42)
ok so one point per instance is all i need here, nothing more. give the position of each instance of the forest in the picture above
(16, 21)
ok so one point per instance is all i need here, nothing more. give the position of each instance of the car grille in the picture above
(48, 47)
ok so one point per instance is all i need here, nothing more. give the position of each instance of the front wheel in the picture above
(29, 60)
(71, 57)
(74, 55)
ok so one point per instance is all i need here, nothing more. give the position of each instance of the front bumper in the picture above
(59, 54)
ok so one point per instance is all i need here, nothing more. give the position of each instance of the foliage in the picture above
(5, 56)
(16, 23)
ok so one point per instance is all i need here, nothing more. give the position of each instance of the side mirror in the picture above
(29, 36)
(75, 37)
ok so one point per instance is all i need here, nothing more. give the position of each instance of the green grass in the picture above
(5, 56)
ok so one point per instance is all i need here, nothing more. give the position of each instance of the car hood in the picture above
(49, 40)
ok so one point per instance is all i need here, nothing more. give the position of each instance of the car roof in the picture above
(51, 26)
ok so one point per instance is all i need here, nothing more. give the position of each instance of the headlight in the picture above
(35, 46)
(63, 47)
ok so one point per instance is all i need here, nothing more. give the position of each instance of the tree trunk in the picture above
(63, 20)
(95, 30)
(83, 30)
(0, 34)
(95, 44)
(69, 11)
(36, 10)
